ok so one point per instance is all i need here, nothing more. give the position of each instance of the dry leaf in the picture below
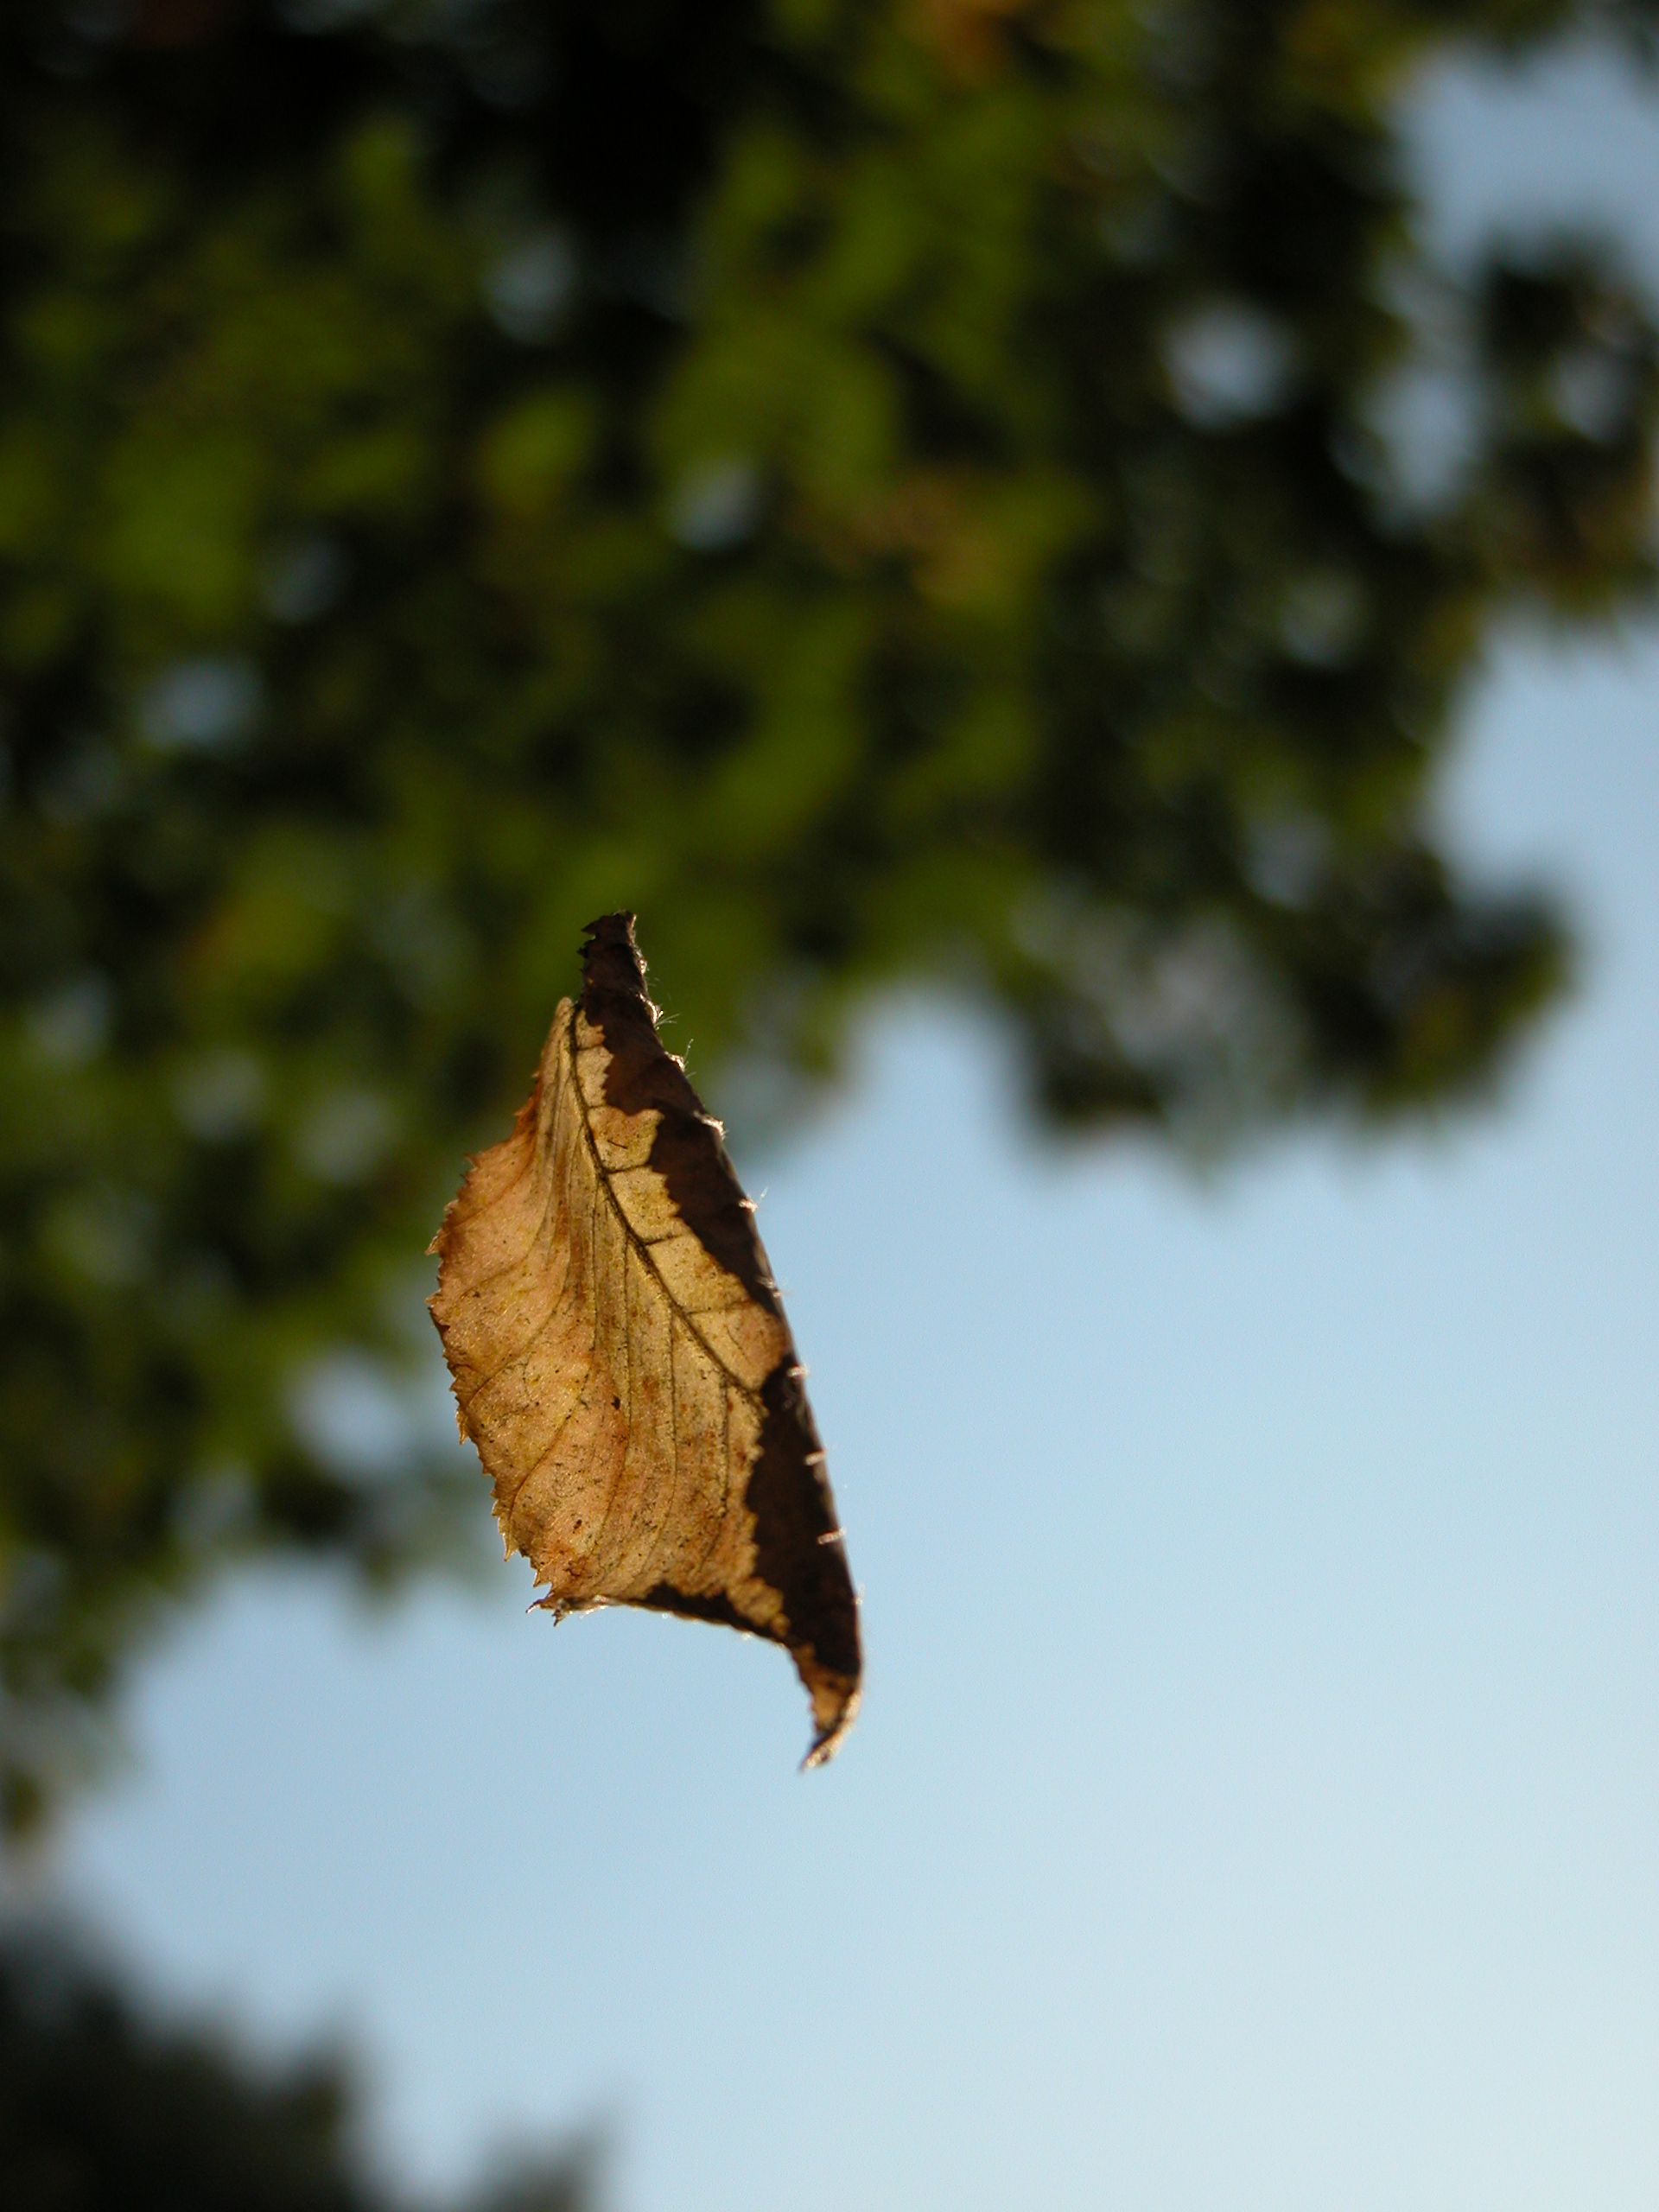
(620, 1355)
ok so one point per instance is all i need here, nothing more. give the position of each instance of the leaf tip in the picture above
(836, 1699)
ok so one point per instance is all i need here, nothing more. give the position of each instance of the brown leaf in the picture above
(620, 1355)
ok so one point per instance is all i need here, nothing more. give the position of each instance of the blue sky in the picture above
(1256, 1801)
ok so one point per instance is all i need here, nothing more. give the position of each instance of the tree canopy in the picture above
(937, 490)
(102, 2110)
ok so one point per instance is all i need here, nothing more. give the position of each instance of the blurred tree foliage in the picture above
(984, 489)
(100, 2111)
